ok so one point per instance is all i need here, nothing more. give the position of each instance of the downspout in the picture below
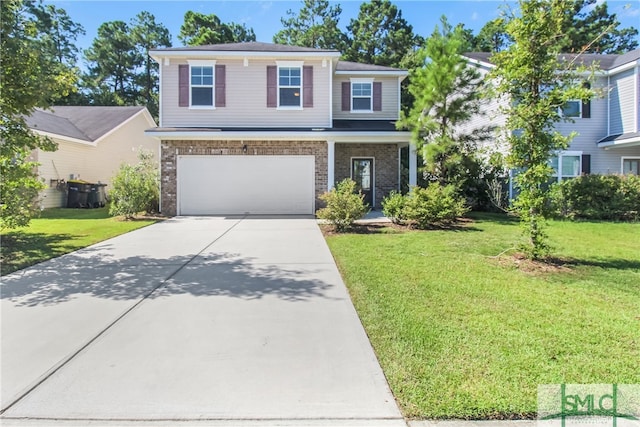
(330, 125)
(608, 105)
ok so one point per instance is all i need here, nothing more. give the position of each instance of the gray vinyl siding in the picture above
(590, 131)
(390, 89)
(246, 99)
(623, 96)
(490, 116)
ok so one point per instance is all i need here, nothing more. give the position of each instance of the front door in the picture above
(362, 174)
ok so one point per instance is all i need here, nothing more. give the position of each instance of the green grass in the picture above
(60, 231)
(462, 334)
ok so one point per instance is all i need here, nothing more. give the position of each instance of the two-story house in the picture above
(266, 129)
(607, 127)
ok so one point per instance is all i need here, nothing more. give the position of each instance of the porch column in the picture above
(413, 165)
(331, 163)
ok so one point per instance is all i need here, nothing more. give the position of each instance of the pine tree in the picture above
(315, 25)
(448, 93)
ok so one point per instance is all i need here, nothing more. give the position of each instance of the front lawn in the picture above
(462, 334)
(60, 231)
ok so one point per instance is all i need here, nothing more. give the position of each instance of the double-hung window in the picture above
(566, 165)
(202, 85)
(290, 86)
(362, 95)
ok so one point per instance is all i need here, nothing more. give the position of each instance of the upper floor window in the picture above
(202, 86)
(361, 96)
(289, 86)
(572, 108)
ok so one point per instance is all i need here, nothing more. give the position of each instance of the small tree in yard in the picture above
(448, 94)
(136, 188)
(536, 84)
(344, 205)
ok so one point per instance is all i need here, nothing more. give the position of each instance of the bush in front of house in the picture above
(599, 197)
(344, 205)
(135, 188)
(393, 207)
(435, 205)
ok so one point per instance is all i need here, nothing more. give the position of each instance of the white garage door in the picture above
(220, 185)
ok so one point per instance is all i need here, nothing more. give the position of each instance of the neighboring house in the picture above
(92, 144)
(607, 127)
(266, 129)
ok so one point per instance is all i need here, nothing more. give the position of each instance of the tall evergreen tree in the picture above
(380, 35)
(535, 85)
(200, 29)
(315, 25)
(448, 93)
(148, 34)
(492, 37)
(587, 26)
(593, 29)
(57, 31)
(113, 59)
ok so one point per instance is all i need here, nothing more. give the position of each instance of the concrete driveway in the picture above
(194, 321)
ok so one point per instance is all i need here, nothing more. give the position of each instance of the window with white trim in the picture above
(631, 165)
(201, 84)
(566, 165)
(289, 86)
(361, 96)
(572, 108)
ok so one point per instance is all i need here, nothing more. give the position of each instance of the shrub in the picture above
(344, 205)
(434, 205)
(602, 197)
(135, 188)
(393, 207)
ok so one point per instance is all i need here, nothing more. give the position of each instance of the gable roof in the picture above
(348, 66)
(83, 123)
(604, 61)
(245, 47)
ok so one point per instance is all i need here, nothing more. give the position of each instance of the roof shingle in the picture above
(246, 47)
(604, 62)
(80, 122)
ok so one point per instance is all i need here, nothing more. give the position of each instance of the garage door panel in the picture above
(210, 185)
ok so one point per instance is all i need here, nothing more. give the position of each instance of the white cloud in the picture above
(627, 11)
(475, 16)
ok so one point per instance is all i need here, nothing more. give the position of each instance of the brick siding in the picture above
(385, 166)
(172, 149)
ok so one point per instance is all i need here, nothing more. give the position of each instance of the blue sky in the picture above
(264, 16)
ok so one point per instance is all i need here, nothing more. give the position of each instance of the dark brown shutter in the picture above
(586, 164)
(221, 84)
(183, 85)
(586, 106)
(377, 96)
(346, 96)
(272, 86)
(307, 90)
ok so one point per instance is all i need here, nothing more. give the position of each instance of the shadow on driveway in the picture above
(223, 274)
